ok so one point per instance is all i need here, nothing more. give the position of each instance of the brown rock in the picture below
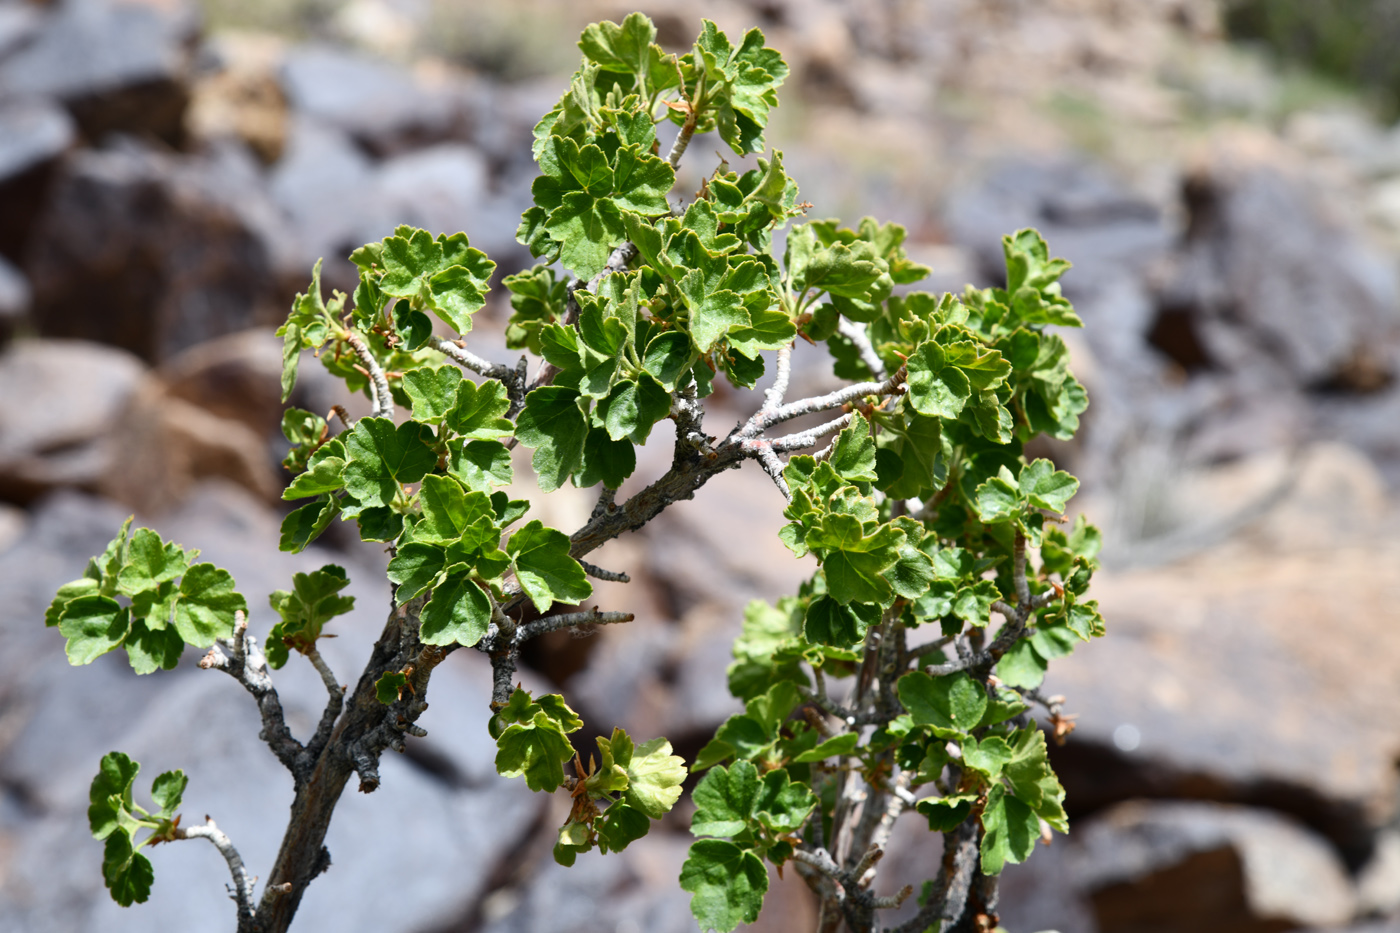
(155, 253)
(164, 445)
(243, 99)
(1160, 867)
(1265, 670)
(64, 397)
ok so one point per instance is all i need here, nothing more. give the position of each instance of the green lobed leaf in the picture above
(305, 524)
(952, 704)
(537, 750)
(383, 456)
(1022, 666)
(433, 391)
(206, 606)
(724, 800)
(946, 813)
(126, 872)
(835, 747)
(1046, 487)
(1011, 831)
(459, 611)
(167, 790)
(728, 884)
(541, 561)
(479, 410)
(654, 775)
(479, 465)
(93, 625)
(151, 650)
(389, 687)
(553, 424)
(110, 793)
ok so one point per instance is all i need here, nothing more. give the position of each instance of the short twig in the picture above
(383, 402)
(598, 573)
(242, 883)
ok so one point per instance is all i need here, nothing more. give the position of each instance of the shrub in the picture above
(945, 583)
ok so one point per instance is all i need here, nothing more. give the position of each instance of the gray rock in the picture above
(1307, 291)
(74, 392)
(1174, 866)
(1195, 695)
(324, 186)
(1086, 215)
(18, 24)
(385, 107)
(33, 134)
(119, 67)
(442, 189)
(179, 249)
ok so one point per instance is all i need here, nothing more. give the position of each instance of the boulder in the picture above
(153, 252)
(34, 133)
(240, 97)
(325, 190)
(162, 445)
(118, 67)
(1160, 867)
(60, 436)
(1232, 673)
(1301, 287)
(386, 108)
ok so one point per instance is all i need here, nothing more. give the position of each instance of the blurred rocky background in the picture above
(1225, 180)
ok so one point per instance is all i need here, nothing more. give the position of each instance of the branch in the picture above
(949, 898)
(598, 573)
(807, 438)
(1018, 573)
(334, 705)
(379, 383)
(242, 659)
(762, 451)
(856, 334)
(242, 883)
(682, 140)
(766, 418)
(568, 620)
(773, 398)
(513, 378)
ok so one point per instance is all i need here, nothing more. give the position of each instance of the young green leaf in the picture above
(728, 884)
(459, 611)
(553, 424)
(540, 558)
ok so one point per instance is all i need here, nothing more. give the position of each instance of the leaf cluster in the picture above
(116, 818)
(147, 596)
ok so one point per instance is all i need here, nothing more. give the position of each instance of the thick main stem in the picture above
(366, 721)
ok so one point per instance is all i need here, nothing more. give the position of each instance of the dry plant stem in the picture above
(242, 883)
(362, 732)
(765, 418)
(242, 659)
(568, 620)
(960, 849)
(598, 573)
(334, 705)
(802, 439)
(379, 383)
